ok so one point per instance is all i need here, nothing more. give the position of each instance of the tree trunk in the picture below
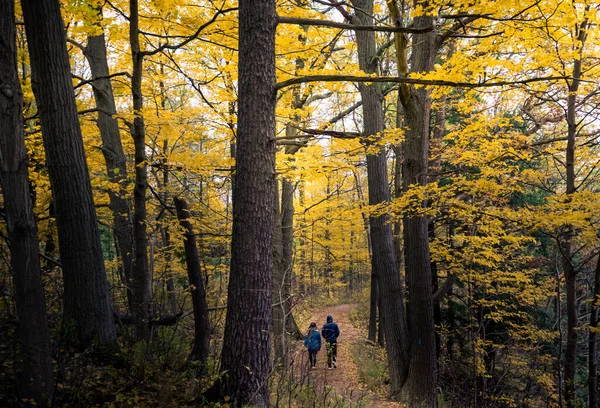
(287, 229)
(567, 241)
(416, 104)
(86, 300)
(373, 305)
(112, 149)
(594, 398)
(141, 276)
(246, 345)
(35, 375)
(165, 230)
(383, 260)
(201, 323)
(278, 285)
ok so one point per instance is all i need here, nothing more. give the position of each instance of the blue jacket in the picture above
(330, 331)
(314, 343)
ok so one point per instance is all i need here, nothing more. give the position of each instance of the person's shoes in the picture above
(330, 368)
(334, 364)
(313, 368)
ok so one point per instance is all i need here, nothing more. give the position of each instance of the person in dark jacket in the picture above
(312, 341)
(330, 333)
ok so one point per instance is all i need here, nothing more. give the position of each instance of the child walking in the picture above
(312, 341)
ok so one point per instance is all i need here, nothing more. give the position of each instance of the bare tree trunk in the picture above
(246, 345)
(141, 276)
(383, 262)
(112, 149)
(278, 285)
(86, 300)
(35, 377)
(287, 229)
(373, 305)
(166, 232)
(201, 323)
(416, 104)
(567, 241)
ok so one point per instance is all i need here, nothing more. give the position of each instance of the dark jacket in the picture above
(314, 342)
(330, 331)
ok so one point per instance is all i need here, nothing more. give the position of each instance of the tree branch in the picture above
(89, 81)
(192, 37)
(409, 80)
(343, 26)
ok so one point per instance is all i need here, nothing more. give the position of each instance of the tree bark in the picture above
(246, 344)
(35, 377)
(383, 261)
(416, 104)
(201, 347)
(141, 276)
(112, 150)
(86, 301)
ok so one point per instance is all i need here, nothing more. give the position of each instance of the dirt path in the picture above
(343, 381)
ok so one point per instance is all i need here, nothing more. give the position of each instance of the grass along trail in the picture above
(343, 382)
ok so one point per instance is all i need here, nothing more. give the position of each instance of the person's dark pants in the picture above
(331, 353)
(312, 357)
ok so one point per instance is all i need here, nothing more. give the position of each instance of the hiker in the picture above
(330, 333)
(312, 341)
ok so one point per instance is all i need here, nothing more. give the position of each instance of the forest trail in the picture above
(343, 381)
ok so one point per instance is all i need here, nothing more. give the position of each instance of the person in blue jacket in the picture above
(330, 333)
(312, 341)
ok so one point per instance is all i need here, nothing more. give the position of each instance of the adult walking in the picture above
(312, 341)
(330, 333)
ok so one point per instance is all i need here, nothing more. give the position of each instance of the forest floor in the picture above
(344, 382)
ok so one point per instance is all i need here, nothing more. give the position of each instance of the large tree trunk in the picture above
(35, 376)
(594, 398)
(201, 347)
(112, 149)
(383, 261)
(141, 276)
(416, 104)
(246, 345)
(86, 301)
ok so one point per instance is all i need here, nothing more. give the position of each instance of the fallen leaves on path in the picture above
(343, 382)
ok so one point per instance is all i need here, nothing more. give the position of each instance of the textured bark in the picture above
(416, 104)
(141, 276)
(383, 261)
(594, 398)
(35, 378)
(201, 347)
(86, 302)
(114, 157)
(246, 345)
